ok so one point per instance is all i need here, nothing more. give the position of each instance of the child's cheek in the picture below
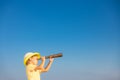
(36, 62)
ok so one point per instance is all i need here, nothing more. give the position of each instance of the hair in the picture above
(28, 62)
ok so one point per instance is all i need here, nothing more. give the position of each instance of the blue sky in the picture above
(86, 31)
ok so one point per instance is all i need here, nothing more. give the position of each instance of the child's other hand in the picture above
(43, 58)
(51, 59)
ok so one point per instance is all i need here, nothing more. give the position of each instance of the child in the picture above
(32, 69)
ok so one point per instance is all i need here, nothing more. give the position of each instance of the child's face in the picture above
(34, 60)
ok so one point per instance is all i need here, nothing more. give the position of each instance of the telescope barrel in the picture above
(54, 56)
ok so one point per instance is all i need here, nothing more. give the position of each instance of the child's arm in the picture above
(48, 66)
(41, 66)
(42, 63)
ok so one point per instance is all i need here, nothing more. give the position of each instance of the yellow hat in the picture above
(30, 54)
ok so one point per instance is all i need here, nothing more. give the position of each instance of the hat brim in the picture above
(35, 54)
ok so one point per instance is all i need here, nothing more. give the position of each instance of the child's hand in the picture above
(51, 59)
(43, 58)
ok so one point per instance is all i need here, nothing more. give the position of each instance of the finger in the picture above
(50, 57)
